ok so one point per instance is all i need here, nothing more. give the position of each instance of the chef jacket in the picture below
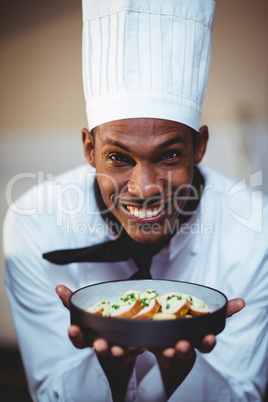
(223, 245)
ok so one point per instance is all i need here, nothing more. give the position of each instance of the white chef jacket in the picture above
(223, 245)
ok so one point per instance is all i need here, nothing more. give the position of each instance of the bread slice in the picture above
(148, 311)
(174, 303)
(126, 311)
(150, 304)
(127, 306)
(198, 307)
(98, 307)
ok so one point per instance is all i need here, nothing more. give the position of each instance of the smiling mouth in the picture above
(144, 213)
(147, 213)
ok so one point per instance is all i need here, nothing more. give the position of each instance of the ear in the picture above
(200, 145)
(89, 146)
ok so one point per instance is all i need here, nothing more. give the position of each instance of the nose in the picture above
(144, 182)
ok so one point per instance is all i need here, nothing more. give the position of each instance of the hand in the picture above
(101, 346)
(75, 334)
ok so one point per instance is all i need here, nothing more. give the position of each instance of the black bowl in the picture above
(147, 333)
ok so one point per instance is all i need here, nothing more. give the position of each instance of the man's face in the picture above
(144, 170)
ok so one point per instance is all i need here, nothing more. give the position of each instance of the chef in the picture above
(144, 199)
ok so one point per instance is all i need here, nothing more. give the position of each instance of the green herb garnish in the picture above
(174, 296)
(130, 296)
(145, 302)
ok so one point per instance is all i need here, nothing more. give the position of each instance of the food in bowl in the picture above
(149, 304)
(164, 330)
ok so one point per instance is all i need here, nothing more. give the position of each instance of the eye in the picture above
(169, 155)
(119, 158)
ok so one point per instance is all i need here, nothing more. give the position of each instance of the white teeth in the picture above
(149, 213)
(136, 212)
(143, 213)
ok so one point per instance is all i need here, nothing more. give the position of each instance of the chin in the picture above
(147, 238)
(148, 233)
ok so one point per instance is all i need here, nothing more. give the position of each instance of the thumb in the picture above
(234, 306)
(64, 294)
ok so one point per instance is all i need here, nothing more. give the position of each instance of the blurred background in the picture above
(42, 110)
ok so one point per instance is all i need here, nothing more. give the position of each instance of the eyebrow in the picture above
(118, 144)
(175, 140)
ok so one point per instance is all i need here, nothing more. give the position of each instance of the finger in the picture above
(234, 306)
(64, 294)
(169, 353)
(208, 344)
(131, 351)
(184, 350)
(77, 337)
(117, 351)
(101, 346)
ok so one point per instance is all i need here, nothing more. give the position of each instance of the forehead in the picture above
(142, 129)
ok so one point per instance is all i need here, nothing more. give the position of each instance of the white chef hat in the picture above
(146, 58)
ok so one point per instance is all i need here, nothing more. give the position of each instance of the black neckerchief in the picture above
(124, 247)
